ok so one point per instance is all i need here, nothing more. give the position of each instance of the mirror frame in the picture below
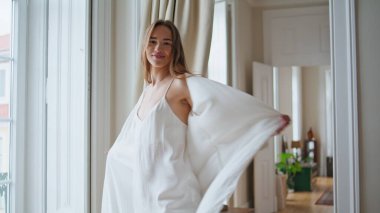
(344, 70)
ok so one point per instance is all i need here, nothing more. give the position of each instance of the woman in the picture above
(184, 145)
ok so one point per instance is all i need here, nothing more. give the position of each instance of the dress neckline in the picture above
(150, 110)
(154, 106)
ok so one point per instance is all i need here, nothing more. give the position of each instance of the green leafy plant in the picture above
(290, 165)
(308, 160)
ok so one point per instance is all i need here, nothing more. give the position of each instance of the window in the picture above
(218, 61)
(6, 71)
(2, 83)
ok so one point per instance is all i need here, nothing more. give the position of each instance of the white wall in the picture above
(257, 35)
(368, 32)
(296, 36)
(242, 57)
(285, 98)
(242, 75)
(313, 106)
(314, 112)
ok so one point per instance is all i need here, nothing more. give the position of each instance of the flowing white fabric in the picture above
(161, 165)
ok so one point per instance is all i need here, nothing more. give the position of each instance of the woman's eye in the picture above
(152, 42)
(168, 43)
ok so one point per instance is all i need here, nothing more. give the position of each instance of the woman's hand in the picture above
(285, 120)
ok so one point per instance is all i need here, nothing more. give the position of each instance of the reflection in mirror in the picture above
(305, 92)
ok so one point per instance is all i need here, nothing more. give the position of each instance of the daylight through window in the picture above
(6, 74)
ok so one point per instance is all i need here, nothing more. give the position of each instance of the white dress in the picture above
(159, 164)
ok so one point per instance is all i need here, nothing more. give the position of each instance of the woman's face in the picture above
(159, 49)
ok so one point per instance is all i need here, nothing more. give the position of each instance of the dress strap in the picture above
(167, 89)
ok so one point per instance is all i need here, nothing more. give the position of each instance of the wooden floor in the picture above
(239, 210)
(298, 202)
(301, 202)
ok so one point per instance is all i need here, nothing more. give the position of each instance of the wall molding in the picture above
(296, 36)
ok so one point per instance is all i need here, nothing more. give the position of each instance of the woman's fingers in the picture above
(285, 120)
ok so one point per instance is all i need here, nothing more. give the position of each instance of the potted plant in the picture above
(290, 166)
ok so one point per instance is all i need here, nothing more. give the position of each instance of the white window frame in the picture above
(28, 158)
(17, 152)
(7, 85)
(28, 152)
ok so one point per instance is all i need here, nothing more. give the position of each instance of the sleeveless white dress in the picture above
(161, 165)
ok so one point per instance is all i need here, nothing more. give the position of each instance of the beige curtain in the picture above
(193, 19)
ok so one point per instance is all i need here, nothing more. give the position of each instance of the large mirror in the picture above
(286, 44)
(277, 36)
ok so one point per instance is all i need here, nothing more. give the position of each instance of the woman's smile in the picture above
(159, 49)
(158, 55)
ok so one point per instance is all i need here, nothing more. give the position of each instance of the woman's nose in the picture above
(158, 46)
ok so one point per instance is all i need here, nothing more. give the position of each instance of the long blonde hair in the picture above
(178, 65)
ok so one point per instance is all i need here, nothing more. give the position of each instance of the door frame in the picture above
(264, 179)
(343, 64)
(345, 112)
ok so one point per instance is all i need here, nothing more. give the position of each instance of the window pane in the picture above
(217, 64)
(5, 85)
(5, 92)
(5, 26)
(4, 146)
(5, 51)
(4, 196)
(2, 82)
(4, 165)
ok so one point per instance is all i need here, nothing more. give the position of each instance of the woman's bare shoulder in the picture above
(180, 89)
(180, 85)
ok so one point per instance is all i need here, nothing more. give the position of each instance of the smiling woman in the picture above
(163, 53)
(163, 43)
(187, 140)
(159, 49)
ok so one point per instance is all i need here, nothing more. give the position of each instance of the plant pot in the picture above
(290, 182)
(282, 191)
